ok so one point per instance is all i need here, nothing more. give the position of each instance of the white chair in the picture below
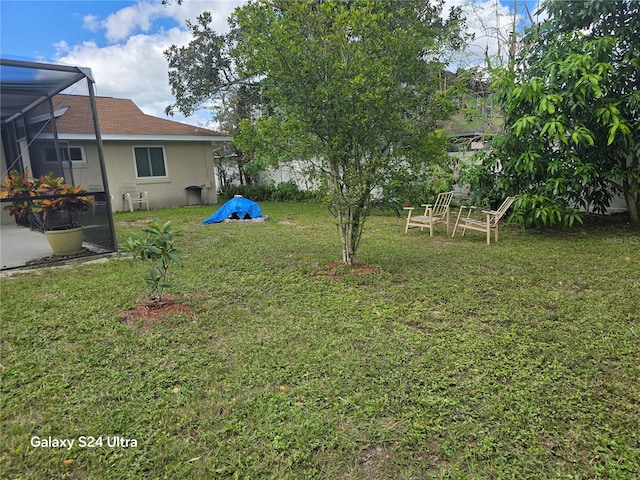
(131, 196)
(99, 199)
(433, 213)
(484, 221)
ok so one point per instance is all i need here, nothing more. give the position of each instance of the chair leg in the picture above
(488, 231)
(126, 200)
(464, 230)
(457, 221)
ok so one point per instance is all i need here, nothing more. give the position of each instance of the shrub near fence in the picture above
(283, 192)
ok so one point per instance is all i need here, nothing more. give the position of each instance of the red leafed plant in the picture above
(21, 187)
(44, 196)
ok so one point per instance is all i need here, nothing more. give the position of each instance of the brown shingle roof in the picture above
(117, 116)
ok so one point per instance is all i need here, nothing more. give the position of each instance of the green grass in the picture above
(451, 359)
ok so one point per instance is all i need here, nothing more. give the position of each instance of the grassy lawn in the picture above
(446, 359)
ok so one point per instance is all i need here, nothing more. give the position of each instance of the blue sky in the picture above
(122, 41)
(31, 28)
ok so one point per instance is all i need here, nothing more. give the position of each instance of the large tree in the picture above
(571, 101)
(203, 74)
(353, 85)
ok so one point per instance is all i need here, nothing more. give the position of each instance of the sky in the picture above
(122, 42)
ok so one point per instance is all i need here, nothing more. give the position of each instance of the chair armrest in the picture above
(408, 208)
(426, 205)
(480, 210)
(487, 212)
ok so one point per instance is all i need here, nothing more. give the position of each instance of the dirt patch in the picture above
(337, 270)
(375, 462)
(150, 312)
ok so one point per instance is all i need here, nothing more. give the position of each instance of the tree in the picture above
(572, 114)
(352, 85)
(238, 103)
(203, 73)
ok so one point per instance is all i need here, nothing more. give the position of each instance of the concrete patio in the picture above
(19, 245)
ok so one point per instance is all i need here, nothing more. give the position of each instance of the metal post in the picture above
(103, 169)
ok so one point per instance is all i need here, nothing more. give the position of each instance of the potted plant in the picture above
(20, 187)
(52, 205)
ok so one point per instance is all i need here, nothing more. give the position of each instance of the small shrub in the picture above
(283, 192)
(255, 192)
(157, 245)
(288, 192)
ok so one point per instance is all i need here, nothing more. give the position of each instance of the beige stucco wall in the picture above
(188, 163)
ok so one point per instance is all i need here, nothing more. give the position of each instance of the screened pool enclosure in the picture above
(31, 143)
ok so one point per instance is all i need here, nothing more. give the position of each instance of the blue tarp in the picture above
(237, 207)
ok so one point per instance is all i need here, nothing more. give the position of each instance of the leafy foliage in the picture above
(62, 197)
(284, 191)
(20, 187)
(571, 107)
(44, 196)
(157, 246)
(203, 73)
(354, 87)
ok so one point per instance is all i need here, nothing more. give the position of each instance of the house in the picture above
(98, 143)
(28, 131)
(169, 160)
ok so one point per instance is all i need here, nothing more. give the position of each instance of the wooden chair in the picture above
(484, 220)
(433, 213)
(131, 196)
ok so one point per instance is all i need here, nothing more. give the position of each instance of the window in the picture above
(73, 153)
(149, 162)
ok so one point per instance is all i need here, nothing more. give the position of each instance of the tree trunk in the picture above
(350, 222)
(345, 220)
(348, 255)
(633, 208)
(632, 200)
(350, 198)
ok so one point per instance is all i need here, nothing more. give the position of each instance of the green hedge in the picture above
(283, 192)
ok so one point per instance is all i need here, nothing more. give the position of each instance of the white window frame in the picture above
(65, 147)
(164, 159)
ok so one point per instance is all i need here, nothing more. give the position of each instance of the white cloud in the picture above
(135, 69)
(140, 16)
(491, 21)
(133, 65)
(91, 23)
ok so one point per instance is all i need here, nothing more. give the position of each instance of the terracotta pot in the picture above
(64, 242)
